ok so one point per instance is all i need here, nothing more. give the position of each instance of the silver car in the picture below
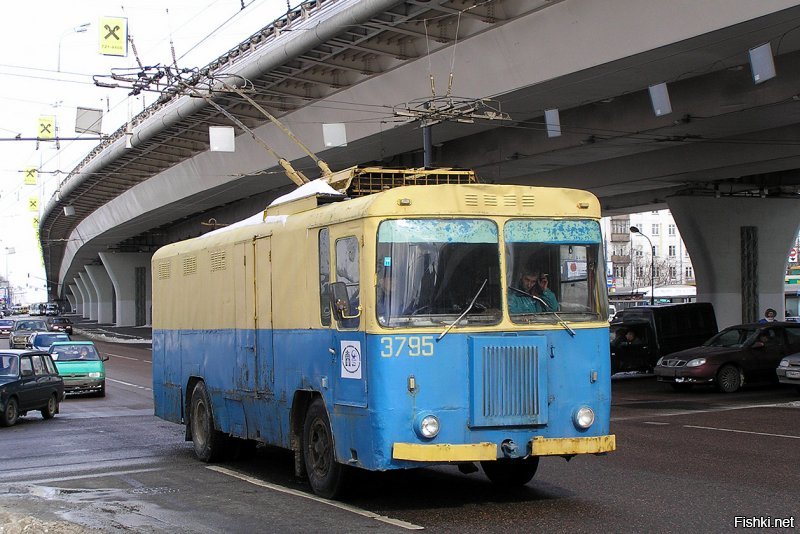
(23, 328)
(788, 370)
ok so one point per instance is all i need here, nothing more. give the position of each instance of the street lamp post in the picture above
(635, 230)
(77, 29)
(9, 251)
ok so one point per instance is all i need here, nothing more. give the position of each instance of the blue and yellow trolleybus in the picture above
(391, 319)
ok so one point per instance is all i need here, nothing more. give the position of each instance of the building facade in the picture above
(630, 260)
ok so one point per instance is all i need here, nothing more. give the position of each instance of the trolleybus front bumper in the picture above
(476, 452)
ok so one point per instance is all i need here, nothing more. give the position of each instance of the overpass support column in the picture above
(105, 292)
(72, 299)
(85, 297)
(77, 292)
(90, 304)
(739, 247)
(133, 284)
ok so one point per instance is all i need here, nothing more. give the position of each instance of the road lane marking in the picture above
(742, 431)
(137, 386)
(129, 358)
(710, 410)
(655, 423)
(335, 504)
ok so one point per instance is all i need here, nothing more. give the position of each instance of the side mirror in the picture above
(105, 358)
(340, 302)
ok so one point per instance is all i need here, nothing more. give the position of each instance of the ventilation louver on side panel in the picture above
(508, 381)
(164, 271)
(217, 260)
(189, 265)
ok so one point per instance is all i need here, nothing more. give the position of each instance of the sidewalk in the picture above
(109, 332)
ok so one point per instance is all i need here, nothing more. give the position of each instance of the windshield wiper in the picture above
(471, 304)
(547, 308)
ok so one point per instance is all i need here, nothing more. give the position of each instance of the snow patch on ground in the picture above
(111, 337)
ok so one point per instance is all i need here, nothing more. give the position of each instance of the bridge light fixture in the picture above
(553, 122)
(659, 96)
(761, 63)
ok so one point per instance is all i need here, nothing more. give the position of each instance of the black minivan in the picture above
(646, 333)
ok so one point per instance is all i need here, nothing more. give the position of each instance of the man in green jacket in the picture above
(532, 295)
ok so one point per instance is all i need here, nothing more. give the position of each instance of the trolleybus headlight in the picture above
(584, 417)
(427, 426)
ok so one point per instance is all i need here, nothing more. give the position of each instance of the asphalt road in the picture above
(689, 461)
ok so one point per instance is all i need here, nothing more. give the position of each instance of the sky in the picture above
(47, 69)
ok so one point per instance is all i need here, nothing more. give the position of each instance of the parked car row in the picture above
(681, 345)
(46, 366)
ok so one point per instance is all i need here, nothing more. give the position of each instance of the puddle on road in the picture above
(106, 510)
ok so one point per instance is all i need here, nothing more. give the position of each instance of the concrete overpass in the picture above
(725, 159)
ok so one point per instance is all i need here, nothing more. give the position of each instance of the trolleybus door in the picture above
(262, 274)
(349, 374)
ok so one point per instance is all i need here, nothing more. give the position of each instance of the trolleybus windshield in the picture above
(430, 270)
(552, 270)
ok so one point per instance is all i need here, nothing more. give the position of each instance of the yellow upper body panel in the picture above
(266, 274)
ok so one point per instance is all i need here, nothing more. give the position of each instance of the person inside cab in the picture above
(532, 295)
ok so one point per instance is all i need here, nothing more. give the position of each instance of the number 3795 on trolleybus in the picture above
(378, 325)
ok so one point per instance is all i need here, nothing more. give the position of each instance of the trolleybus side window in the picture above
(430, 272)
(324, 277)
(347, 272)
(563, 256)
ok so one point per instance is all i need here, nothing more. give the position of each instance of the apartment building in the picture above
(629, 254)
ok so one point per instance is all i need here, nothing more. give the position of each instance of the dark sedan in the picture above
(60, 324)
(28, 381)
(737, 355)
(6, 325)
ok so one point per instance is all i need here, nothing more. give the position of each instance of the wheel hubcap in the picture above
(319, 448)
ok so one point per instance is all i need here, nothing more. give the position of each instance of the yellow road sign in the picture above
(113, 36)
(46, 128)
(30, 174)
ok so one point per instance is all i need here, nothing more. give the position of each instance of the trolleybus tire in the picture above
(511, 472)
(326, 476)
(10, 414)
(50, 410)
(209, 444)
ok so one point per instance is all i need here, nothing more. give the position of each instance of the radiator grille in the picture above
(510, 385)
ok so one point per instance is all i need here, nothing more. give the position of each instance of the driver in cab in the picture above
(533, 294)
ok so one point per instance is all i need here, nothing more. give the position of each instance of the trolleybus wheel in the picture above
(49, 411)
(209, 443)
(324, 473)
(511, 472)
(729, 379)
(10, 414)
